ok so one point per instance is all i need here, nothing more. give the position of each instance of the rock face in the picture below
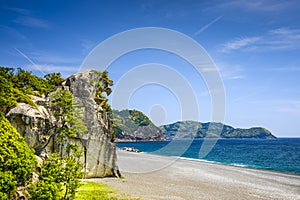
(36, 123)
(33, 123)
(100, 151)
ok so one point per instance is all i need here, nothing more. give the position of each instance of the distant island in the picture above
(133, 125)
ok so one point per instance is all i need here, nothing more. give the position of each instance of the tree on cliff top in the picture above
(17, 86)
(17, 160)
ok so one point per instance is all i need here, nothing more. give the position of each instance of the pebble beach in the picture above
(152, 177)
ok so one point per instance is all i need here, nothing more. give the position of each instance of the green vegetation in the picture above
(139, 118)
(59, 178)
(132, 123)
(129, 123)
(95, 191)
(185, 129)
(67, 113)
(59, 175)
(54, 79)
(17, 87)
(192, 129)
(17, 160)
(103, 86)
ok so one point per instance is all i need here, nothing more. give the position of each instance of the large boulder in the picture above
(35, 124)
(100, 150)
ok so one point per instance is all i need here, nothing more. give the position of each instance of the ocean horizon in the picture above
(281, 154)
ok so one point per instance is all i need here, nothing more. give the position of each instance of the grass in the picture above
(95, 191)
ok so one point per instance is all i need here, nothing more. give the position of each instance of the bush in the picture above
(17, 160)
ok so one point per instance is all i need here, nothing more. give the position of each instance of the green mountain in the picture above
(133, 125)
(192, 129)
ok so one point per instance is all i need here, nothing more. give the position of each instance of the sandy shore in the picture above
(152, 177)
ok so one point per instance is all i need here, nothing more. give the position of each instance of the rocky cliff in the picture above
(35, 123)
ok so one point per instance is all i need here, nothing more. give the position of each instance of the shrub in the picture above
(17, 160)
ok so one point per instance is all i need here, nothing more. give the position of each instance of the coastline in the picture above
(153, 177)
(238, 165)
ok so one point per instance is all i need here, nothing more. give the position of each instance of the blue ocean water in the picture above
(282, 154)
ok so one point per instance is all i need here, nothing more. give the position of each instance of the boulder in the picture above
(100, 151)
(36, 123)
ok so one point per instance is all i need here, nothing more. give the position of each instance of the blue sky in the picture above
(254, 44)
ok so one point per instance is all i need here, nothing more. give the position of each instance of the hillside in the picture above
(133, 125)
(192, 129)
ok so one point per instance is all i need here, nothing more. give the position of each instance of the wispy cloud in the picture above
(18, 10)
(26, 18)
(275, 39)
(50, 57)
(240, 43)
(257, 5)
(52, 68)
(13, 32)
(289, 106)
(233, 72)
(32, 22)
(44, 68)
(285, 69)
(208, 25)
(230, 72)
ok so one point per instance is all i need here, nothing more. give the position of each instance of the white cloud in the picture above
(275, 39)
(209, 69)
(50, 57)
(232, 73)
(44, 68)
(65, 70)
(18, 10)
(32, 22)
(289, 106)
(257, 5)
(26, 18)
(13, 32)
(239, 43)
(285, 69)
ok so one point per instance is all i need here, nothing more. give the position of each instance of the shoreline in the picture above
(284, 165)
(237, 165)
(153, 177)
(222, 164)
(207, 138)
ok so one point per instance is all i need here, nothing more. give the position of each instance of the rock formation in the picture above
(100, 157)
(35, 123)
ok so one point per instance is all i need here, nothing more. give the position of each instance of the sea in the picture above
(281, 154)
